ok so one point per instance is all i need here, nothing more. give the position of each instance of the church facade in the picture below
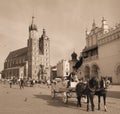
(101, 55)
(32, 61)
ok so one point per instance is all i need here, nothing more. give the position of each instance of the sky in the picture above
(65, 22)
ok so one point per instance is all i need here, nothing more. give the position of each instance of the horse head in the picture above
(93, 83)
(107, 83)
(104, 83)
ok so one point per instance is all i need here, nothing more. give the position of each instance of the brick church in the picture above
(32, 61)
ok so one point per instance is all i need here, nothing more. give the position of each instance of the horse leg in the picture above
(87, 102)
(104, 99)
(98, 102)
(79, 101)
(92, 103)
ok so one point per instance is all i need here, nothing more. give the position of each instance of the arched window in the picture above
(118, 71)
(95, 70)
(87, 72)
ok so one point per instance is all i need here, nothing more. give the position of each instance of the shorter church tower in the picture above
(73, 61)
(44, 51)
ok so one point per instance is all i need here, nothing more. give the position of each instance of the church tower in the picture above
(74, 56)
(105, 27)
(33, 51)
(73, 61)
(44, 50)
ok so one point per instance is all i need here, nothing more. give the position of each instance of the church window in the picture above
(88, 42)
(67, 69)
(66, 73)
(36, 58)
(10, 64)
(16, 61)
(80, 73)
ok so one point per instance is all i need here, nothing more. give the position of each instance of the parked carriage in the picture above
(60, 86)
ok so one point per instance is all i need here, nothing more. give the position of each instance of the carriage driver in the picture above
(72, 78)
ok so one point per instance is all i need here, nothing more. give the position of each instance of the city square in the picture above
(59, 56)
(37, 99)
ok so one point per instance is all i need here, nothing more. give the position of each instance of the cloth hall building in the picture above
(101, 55)
(32, 61)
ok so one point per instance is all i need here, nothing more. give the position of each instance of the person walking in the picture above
(48, 83)
(21, 83)
(10, 82)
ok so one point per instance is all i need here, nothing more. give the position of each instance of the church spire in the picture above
(32, 26)
(33, 19)
(44, 32)
(93, 25)
(104, 25)
(103, 21)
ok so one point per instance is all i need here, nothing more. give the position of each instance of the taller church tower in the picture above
(33, 51)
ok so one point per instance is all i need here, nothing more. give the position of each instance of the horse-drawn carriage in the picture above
(60, 86)
(78, 89)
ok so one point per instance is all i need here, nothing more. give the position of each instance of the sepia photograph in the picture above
(59, 56)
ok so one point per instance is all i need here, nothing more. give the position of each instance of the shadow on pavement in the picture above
(113, 94)
(57, 102)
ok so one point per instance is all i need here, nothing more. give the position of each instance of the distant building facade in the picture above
(32, 61)
(101, 55)
(65, 67)
(53, 73)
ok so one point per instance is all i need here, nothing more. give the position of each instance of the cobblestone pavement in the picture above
(37, 100)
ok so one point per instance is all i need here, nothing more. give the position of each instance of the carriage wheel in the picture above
(65, 98)
(52, 93)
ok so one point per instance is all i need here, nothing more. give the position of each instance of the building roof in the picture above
(90, 48)
(18, 53)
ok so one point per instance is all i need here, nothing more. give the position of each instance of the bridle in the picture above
(107, 83)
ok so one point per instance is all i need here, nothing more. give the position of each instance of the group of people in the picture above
(20, 82)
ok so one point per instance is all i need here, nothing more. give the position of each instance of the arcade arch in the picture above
(87, 72)
(118, 73)
(95, 70)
